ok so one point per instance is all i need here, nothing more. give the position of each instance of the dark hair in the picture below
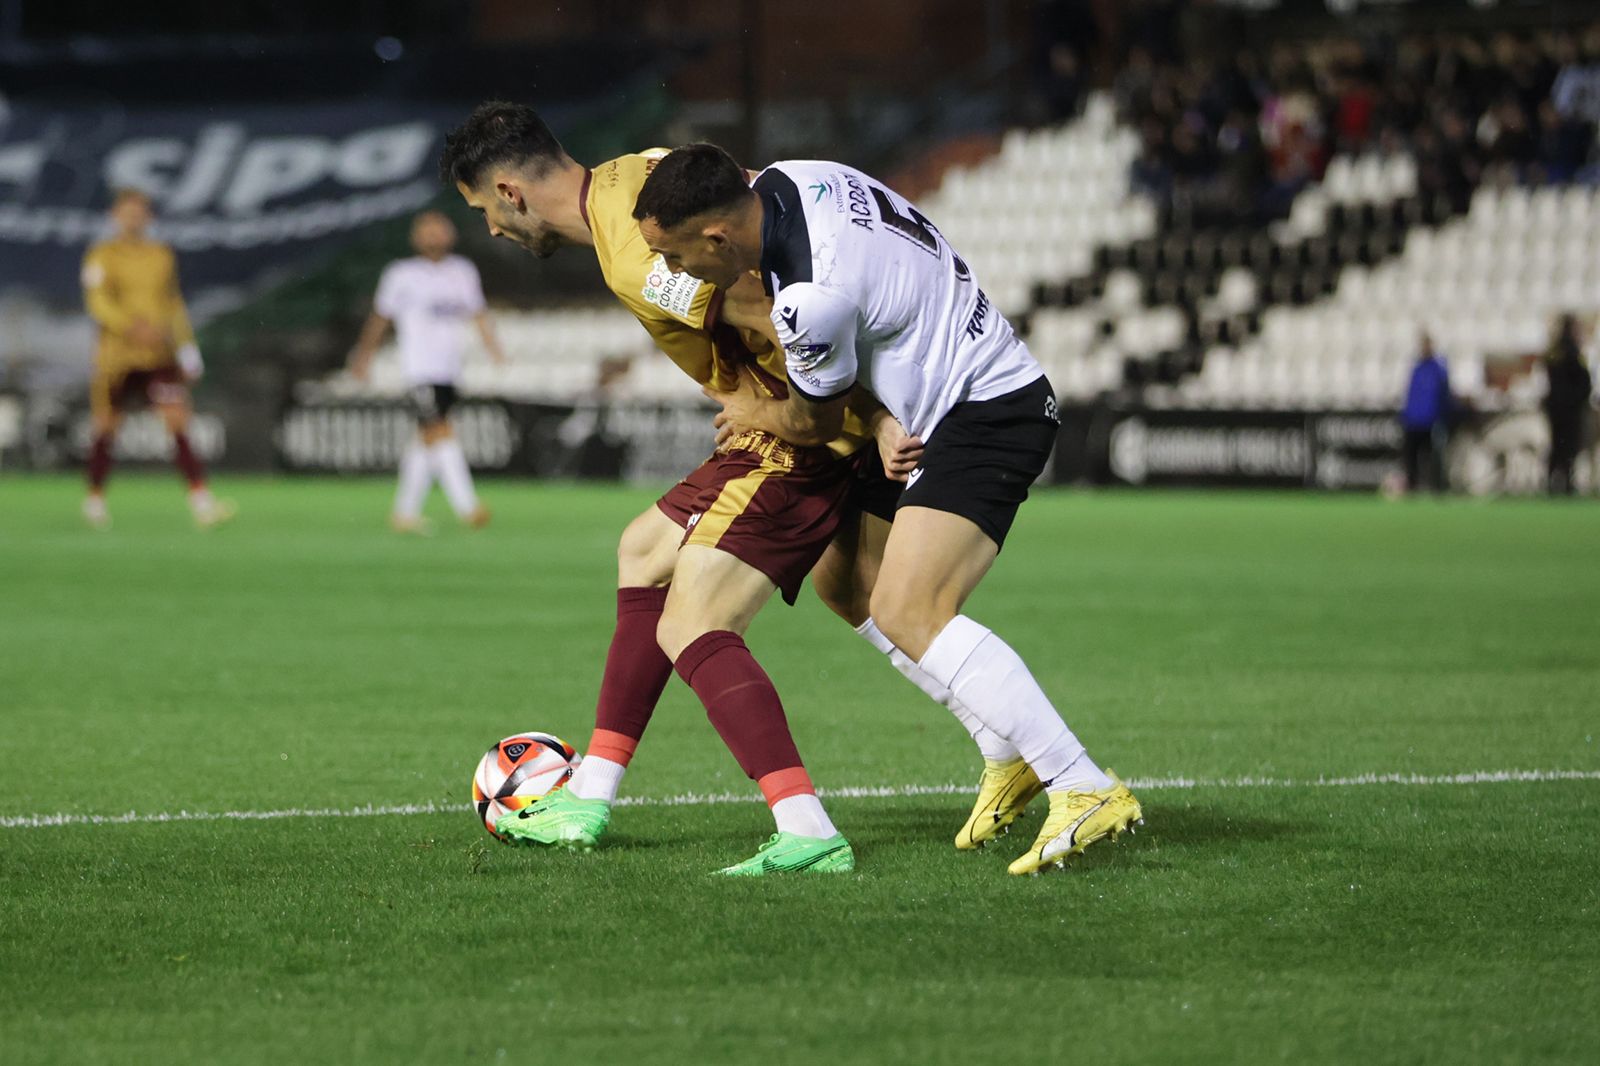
(690, 181)
(495, 134)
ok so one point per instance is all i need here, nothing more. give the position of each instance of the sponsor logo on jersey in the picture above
(447, 308)
(791, 318)
(673, 293)
(805, 356)
(817, 384)
(822, 189)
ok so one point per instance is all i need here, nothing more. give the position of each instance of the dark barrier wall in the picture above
(1489, 453)
(1332, 450)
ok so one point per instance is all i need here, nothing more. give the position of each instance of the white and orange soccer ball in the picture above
(519, 770)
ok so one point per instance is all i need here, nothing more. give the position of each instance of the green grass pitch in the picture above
(304, 658)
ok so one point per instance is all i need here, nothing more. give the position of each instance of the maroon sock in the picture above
(740, 701)
(636, 667)
(99, 462)
(188, 463)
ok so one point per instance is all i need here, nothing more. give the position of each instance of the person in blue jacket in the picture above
(1425, 419)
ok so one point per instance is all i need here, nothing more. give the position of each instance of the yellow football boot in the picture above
(1078, 819)
(1003, 791)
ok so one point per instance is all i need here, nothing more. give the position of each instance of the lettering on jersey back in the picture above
(980, 313)
(860, 213)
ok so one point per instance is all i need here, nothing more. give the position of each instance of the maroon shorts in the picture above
(111, 390)
(768, 504)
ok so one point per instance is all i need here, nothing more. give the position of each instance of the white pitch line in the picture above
(697, 799)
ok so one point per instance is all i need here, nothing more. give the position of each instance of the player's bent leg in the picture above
(636, 669)
(844, 579)
(933, 561)
(636, 672)
(713, 598)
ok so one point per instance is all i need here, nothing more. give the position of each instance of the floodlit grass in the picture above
(306, 658)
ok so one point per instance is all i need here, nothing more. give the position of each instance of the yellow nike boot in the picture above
(1078, 819)
(1003, 791)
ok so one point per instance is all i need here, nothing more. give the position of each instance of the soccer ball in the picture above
(519, 770)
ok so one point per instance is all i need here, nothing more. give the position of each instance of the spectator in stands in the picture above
(1514, 107)
(1425, 419)
(1564, 143)
(1566, 404)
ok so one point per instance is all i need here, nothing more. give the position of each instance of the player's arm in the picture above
(491, 342)
(182, 331)
(481, 319)
(899, 450)
(100, 298)
(385, 305)
(748, 308)
(817, 328)
(372, 332)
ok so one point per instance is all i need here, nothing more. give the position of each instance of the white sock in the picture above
(596, 779)
(803, 816)
(991, 745)
(450, 464)
(201, 500)
(992, 680)
(415, 480)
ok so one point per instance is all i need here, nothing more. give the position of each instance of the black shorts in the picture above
(982, 459)
(432, 403)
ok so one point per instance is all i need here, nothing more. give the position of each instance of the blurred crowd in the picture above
(1234, 133)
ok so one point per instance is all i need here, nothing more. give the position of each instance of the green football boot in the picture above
(558, 820)
(788, 853)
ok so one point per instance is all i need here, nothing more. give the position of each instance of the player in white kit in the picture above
(429, 298)
(866, 290)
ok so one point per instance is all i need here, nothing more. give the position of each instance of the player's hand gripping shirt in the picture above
(865, 288)
(430, 304)
(129, 281)
(679, 311)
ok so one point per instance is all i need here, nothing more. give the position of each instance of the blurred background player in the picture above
(146, 350)
(429, 297)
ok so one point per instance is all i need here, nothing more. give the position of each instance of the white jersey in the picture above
(430, 303)
(865, 288)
